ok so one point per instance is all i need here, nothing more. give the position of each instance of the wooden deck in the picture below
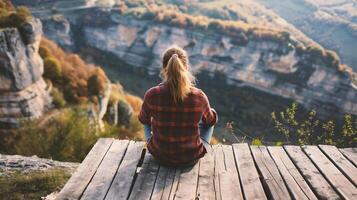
(121, 169)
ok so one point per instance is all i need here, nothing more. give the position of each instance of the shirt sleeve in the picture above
(145, 115)
(209, 115)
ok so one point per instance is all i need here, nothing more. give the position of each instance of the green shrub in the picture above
(3, 13)
(312, 130)
(52, 70)
(257, 142)
(278, 143)
(57, 98)
(349, 131)
(68, 136)
(96, 83)
(10, 18)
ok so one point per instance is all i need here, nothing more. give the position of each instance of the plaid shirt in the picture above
(176, 140)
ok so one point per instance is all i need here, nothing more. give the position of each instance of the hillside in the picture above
(49, 96)
(310, 21)
(261, 60)
(330, 23)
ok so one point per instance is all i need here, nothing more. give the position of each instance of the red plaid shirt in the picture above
(176, 140)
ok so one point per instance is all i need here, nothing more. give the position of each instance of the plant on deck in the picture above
(311, 130)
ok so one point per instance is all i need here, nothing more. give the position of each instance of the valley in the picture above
(274, 70)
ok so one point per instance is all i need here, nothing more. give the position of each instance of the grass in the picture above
(32, 185)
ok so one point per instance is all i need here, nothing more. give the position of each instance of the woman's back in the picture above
(177, 113)
(176, 139)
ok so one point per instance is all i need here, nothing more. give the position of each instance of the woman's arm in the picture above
(209, 115)
(145, 115)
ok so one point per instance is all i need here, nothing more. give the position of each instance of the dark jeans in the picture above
(206, 133)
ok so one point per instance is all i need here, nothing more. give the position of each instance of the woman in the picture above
(179, 114)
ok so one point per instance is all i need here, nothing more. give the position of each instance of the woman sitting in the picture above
(177, 116)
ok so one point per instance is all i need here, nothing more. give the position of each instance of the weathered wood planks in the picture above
(187, 183)
(297, 186)
(270, 173)
(311, 174)
(81, 178)
(122, 169)
(345, 166)
(120, 187)
(100, 183)
(339, 182)
(205, 188)
(144, 183)
(252, 187)
(351, 154)
(163, 183)
(229, 176)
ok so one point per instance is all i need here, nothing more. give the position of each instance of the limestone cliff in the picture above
(266, 65)
(276, 67)
(23, 92)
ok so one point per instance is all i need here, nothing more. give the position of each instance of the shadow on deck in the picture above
(122, 169)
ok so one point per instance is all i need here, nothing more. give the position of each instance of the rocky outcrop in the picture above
(23, 92)
(24, 164)
(271, 66)
(63, 37)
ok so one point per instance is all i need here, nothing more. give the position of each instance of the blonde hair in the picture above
(176, 74)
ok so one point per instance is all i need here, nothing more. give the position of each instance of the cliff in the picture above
(262, 58)
(277, 67)
(23, 92)
(265, 65)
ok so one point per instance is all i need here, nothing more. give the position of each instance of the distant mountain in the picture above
(331, 23)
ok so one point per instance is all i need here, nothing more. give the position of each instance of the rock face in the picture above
(23, 92)
(33, 163)
(267, 65)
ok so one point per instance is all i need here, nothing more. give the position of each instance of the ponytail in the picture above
(177, 76)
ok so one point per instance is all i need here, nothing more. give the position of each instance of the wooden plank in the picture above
(219, 168)
(340, 183)
(163, 183)
(271, 176)
(145, 181)
(345, 166)
(351, 155)
(297, 186)
(120, 187)
(100, 183)
(84, 173)
(311, 174)
(187, 183)
(205, 188)
(175, 184)
(229, 177)
(252, 187)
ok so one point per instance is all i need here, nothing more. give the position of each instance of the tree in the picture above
(53, 70)
(349, 131)
(57, 98)
(96, 83)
